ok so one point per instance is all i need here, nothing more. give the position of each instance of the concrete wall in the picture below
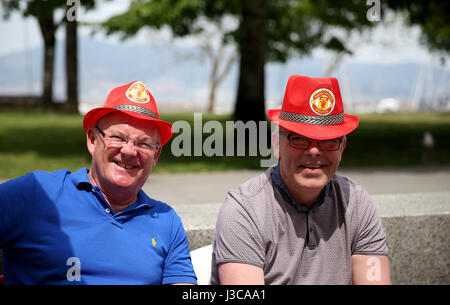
(418, 230)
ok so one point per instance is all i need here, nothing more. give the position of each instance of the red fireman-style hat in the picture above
(134, 100)
(313, 108)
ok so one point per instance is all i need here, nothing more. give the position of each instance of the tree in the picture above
(72, 66)
(44, 12)
(72, 11)
(183, 18)
(252, 47)
(210, 46)
(221, 55)
(267, 31)
(275, 30)
(431, 16)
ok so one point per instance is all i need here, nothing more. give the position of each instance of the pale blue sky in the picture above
(386, 44)
(389, 43)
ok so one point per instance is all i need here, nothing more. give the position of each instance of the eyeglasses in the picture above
(118, 141)
(301, 142)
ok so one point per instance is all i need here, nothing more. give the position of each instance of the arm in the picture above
(15, 207)
(178, 267)
(370, 262)
(238, 249)
(240, 274)
(370, 270)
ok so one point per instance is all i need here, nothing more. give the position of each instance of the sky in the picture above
(393, 43)
(390, 42)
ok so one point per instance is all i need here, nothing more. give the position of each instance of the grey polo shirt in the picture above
(260, 224)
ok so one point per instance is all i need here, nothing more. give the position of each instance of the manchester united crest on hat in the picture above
(134, 100)
(313, 107)
(322, 101)
(138, 93)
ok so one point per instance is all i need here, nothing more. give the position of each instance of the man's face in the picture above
(307, 170)
(124, 166)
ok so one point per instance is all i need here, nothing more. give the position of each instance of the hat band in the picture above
(309, 119)
(137, 109)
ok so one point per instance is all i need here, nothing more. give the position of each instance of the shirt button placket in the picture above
(107, 210)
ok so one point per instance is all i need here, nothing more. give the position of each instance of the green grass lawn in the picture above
(47, 141)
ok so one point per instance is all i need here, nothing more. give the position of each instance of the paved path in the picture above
(197, 188)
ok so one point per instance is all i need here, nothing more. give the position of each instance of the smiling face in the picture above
(306, 172)
(121, 171)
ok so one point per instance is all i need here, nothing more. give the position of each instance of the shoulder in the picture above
(345, 182)
(346, 187)
(164, 208)
(156, 205)
(250, 201)
(158, 209)
(367, 233)
(254, 187)
(51, 177)
(354, 196)
(31, 179)
(29, 195)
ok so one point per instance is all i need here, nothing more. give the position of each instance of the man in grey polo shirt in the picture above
(298, 222)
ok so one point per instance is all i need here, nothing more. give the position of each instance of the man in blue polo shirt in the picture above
(97, 226)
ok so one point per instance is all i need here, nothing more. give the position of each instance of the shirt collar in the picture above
(279, 184)
(81, 180)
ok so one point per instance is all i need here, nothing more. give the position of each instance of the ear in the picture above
(341, 149)
(155, 159)
(344, 143)
(90, 140)
(276, 143)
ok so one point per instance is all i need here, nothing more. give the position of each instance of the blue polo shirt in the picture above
(56, 228)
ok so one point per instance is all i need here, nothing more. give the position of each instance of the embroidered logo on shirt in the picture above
(153, 242)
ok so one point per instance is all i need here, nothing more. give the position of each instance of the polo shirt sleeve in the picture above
(370, 236)
(177, 264)
(14, 197)
(238, 235)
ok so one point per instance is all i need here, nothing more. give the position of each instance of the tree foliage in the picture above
(431, 16)
(292, 27)
(277, 29)
(44, 12)
(270, 30)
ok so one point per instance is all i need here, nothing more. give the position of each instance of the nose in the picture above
(129, 148)
(313, 148)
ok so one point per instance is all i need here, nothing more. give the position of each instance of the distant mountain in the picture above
(176, 77)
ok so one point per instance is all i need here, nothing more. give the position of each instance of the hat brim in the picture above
(91, 118)
(318, 132)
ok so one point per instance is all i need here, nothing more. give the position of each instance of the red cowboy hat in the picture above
(134, 100)
(313, 108)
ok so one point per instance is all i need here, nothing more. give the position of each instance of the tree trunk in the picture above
(72, 66)
(213, 80)
(221, 66)
(252, 44)
(48, 29)
(212, 96)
